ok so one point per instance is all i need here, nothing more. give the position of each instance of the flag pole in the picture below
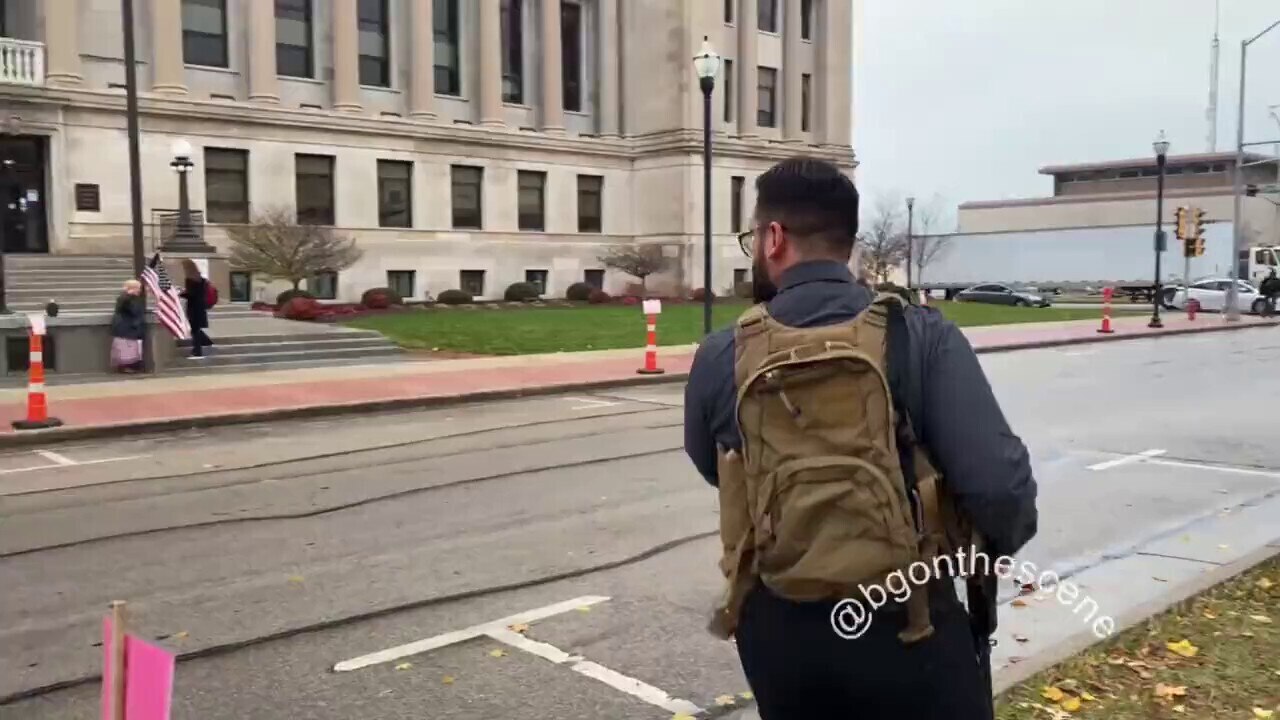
(135, 162)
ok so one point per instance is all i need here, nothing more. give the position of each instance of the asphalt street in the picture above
(269, 554)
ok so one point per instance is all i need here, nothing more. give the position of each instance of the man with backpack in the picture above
(850, 436)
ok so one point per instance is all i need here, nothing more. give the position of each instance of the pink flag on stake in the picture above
(148, 677)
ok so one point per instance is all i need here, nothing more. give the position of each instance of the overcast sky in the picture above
(969, 98)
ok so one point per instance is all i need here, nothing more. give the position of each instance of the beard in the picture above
(762, 289)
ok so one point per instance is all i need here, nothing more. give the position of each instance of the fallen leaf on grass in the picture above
(1183, 647)
(1247, 634)
(1052, 693)
(1263, 714)
(725, 700)
(1209, 616)
(1265, 584)
(1170, 691)
(521, 628)
(1070, 704)
(1260, 618)
(1088, 698)
(497, 652)
(404, 666)
(1018, 603)
(1116, 660)
(1179, 708)
(447, 679)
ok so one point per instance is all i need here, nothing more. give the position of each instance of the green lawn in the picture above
(520, 331)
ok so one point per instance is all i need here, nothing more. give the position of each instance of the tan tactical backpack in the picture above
(816, 503)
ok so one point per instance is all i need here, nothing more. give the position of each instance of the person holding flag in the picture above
(168, 305)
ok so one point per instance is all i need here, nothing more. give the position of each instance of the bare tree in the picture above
(884, 242)
(275, 246)
(638, 261)
(927, 243)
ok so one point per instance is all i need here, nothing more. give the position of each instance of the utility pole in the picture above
(1212, 112)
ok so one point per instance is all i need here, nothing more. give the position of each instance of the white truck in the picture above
(1083, 259)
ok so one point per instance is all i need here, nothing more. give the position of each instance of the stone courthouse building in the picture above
(463, 143)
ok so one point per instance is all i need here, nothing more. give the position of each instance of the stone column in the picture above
(608, 80)
(836, 82)
(346, 51)
(552, 69)
(791, 73)
(61, 28)
(263, 82)
(422, 75)
(168, 71)
(490, 47)
(748, 74)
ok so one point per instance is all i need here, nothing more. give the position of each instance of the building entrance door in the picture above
(23, 210)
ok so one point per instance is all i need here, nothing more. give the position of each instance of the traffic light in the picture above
(1197, 247)
(1182, 215)
(1197, 227)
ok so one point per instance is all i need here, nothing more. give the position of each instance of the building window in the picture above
(324, 285)
(395, 193)
(313, 175)
(594, 278)
(590, 206)
(294, 38)
(735, 203)
(728, 91)
(728, 10)
(532, 199)
(375, 50)
(768, 15)
(401, 282)
(739, 276)
(512, 52)
(538, 279)
(444, 26)
(766, 89)
(467, 196)
(204, 32)
(806, 83)
(241, 286)
(571, 54)
(806, 19)
(226, 185)
(472, 282)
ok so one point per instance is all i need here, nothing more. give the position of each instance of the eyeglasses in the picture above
(745, 239)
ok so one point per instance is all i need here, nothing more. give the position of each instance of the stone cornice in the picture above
(684, 141)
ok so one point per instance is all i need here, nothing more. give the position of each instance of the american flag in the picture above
(168, 308)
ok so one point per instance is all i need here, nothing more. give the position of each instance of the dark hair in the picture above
(812, 200)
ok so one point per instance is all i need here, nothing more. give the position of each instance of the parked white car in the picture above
(1212, 294)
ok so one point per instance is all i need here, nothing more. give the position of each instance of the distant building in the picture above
(1124, 193)
(464, 143)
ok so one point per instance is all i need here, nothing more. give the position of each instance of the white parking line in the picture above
(1127, 459)
(1220, 468)
(54, 457)
(500, 630)
(590, 403)
(61, 461)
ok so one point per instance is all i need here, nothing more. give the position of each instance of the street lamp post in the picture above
(1237, 232)
(185, 238)
(911, 204)
(1161, 146)
(707, 64)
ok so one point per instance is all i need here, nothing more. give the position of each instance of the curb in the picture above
(88, 432)
(1006, 678)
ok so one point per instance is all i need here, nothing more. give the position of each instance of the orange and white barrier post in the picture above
(37, 402)
(652, 309)
(1106, 312)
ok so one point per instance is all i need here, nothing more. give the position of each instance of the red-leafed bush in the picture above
(380, 298)
(301, 308)
(598, 297)
(631, 300)
(700, 294)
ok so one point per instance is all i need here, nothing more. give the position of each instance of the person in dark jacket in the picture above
(1270, 290)
(128, 328)
(197, 307)
(805, 222)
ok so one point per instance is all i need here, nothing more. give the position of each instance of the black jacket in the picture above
(197, 309)
(130, 319)
(952, 406)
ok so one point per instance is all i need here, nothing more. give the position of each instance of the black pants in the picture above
(199, 341)
(799, 668)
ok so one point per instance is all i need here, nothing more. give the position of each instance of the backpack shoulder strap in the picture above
(750, 341)
(887, 309)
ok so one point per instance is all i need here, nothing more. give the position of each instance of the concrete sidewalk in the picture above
(158, 403)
